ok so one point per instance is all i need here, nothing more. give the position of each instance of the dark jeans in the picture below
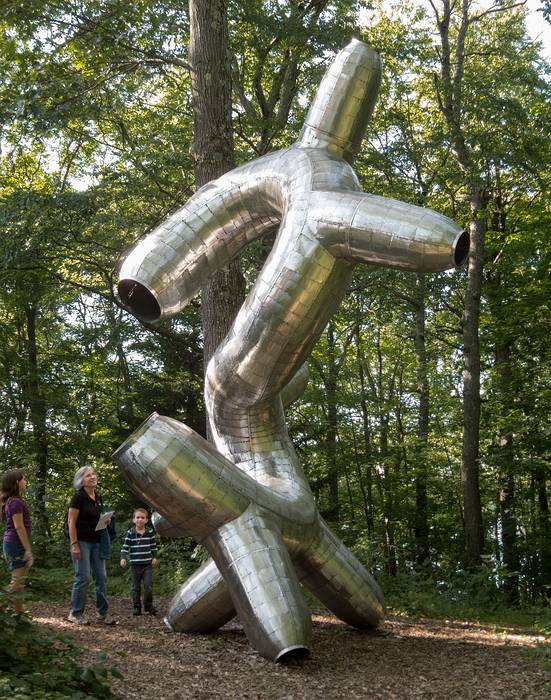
(142, 572)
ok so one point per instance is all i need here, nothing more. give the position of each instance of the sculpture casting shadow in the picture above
(246, 498)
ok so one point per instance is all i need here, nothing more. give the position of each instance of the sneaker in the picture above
(106, 620)
(151, 611)
(77, 619)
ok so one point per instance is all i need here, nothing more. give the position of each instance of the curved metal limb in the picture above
(194, 487)
(263, 584)
(333, 574)
(202, 604)
(183, 476)
(387, 232)
(292, 391)
(207, 232)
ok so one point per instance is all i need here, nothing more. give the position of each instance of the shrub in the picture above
(36, 664)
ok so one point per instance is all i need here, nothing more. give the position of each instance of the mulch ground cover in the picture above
(405, 658)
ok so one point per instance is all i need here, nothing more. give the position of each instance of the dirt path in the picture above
(406, 658)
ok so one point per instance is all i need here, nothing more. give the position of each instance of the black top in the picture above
(89, 513)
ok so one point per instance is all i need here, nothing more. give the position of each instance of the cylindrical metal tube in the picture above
(370, 229)
(183, 477)
(165, 270)
(202, 604)
(263, 584)
(344, 102)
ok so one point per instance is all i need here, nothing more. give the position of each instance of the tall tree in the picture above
(453, 22)
(212, 150)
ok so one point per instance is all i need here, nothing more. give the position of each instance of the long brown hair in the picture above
(10, 487)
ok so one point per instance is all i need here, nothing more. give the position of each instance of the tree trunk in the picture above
(124, 400)
(384, 465)
(333, 510)
(544, 527)
(368, 490)
(506, 480)
(212, 151)
(421, 528)
(388, 501)
(450, 96)
(37, 411)
(506, 535)
(470, 483)
(349, 493)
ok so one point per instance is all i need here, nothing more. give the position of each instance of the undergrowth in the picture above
(37, 664)
(461, 595)
(470, 596)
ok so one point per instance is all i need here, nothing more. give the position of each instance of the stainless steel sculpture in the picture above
(246, 498)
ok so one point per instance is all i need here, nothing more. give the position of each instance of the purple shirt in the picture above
(16, 505)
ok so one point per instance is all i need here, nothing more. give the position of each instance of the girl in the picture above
(17, 536)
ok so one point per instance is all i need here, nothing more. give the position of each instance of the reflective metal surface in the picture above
(247, 499)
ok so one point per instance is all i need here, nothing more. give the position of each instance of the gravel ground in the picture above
(405, 658)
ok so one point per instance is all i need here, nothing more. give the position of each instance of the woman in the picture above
(86, 547)
(17, 536)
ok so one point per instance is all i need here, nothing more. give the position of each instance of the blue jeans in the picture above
(13, 554)
(89, 562)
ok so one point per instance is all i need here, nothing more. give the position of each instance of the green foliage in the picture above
(96, 121)
(39, 665)
(464, 596)
(278, 55)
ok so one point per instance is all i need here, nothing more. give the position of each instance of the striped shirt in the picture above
(141, 549)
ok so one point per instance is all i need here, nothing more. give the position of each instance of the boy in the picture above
(141, 546)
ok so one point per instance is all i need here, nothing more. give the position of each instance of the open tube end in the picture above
(139, 300)
(461, 248)
(292, 654)
(131, 439)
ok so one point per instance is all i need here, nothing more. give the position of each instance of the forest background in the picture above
(425, 429)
